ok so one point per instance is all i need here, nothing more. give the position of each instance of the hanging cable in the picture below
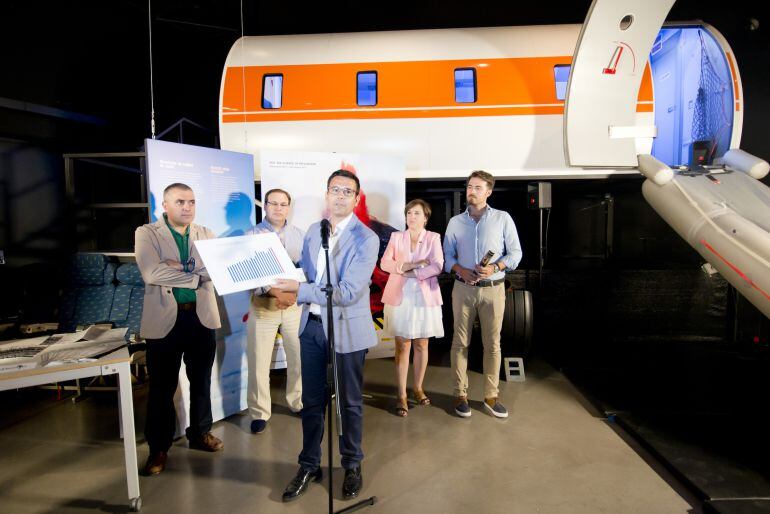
(152, 88)
(547, 224)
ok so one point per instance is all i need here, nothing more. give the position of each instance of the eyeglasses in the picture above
(342, 191)
(276, 204)
(475, 189)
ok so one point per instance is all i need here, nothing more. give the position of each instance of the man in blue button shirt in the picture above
(479, 287)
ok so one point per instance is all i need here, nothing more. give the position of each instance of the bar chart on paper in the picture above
(246, 262)
(262, 264)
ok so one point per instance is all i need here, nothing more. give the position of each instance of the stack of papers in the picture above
(60, 348)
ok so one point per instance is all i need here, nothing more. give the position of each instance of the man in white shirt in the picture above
(353, 252)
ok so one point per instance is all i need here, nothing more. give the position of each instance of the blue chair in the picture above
(88, 297)
(129, 298)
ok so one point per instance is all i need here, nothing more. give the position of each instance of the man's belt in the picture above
(482, 283)
(314, 317)
(186, 306)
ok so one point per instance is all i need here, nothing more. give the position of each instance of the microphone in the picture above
(326, 229)
(487, 257)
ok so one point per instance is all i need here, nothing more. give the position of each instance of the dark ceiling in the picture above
(92, 57)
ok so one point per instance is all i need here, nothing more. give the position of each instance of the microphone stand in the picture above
(332, 380)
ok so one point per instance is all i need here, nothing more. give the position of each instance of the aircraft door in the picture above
(610, 58)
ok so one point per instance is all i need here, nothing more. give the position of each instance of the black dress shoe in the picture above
(156, 463)
(207, 442)
(351, 486)
(258, 426)
(300, 483)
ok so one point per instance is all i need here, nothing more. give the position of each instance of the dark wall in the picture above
(76, 79)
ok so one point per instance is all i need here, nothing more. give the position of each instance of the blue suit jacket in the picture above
(352, 262)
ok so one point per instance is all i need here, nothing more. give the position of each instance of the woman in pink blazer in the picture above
(412, 297)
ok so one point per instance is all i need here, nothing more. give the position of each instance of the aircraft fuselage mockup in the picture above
(622, 93)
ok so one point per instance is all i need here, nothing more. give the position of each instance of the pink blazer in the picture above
(397, 253)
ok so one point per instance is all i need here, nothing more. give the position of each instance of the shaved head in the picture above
(175, 185)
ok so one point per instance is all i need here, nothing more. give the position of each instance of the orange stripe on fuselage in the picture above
(371, 114)
(736, 89)
(416, 89)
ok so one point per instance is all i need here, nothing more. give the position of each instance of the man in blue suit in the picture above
(352, 257)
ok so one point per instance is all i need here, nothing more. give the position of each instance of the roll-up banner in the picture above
(223, 183)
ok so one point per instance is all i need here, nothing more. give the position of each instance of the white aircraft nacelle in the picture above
(753, 166)
(723, 215)
(554, 101)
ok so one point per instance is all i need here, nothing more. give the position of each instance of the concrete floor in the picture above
(552, 455)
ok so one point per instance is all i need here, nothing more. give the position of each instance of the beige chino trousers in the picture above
(265, 320)
(489, 304)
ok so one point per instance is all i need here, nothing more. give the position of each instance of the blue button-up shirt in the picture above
(466, 242)
(291, 238)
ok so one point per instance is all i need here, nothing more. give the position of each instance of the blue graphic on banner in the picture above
(223, 183)
(263, 264)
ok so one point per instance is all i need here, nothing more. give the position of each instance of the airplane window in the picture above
(272, 91)
(465, 85)
(561, 76)
(366, 88)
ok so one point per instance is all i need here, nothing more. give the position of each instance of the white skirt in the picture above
(413, 319)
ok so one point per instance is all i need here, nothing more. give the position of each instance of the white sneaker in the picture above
(495, 408)
(462, 408)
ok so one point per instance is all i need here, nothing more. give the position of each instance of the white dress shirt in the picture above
(321, 260)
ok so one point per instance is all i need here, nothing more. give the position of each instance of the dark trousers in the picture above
(196, 344)
(350, 371)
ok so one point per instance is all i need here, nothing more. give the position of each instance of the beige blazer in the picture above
(153, 245)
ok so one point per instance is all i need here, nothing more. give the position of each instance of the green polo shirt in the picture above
(182, 294)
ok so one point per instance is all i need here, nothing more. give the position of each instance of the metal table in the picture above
(116, 362)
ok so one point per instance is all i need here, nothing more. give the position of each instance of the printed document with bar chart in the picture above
(246, 262)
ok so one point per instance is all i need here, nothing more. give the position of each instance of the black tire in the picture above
(517, 331)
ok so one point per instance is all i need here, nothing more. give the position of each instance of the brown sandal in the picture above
(420, 397)
(402, 408)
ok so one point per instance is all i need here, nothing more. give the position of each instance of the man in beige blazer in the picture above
(179, 317)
